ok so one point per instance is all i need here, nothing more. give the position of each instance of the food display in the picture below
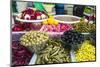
(84, 27)
(41, 36)
(20, 54)
(50, 21)
(57, 28)
(53, 53)
(86, 52)
(72, 38)
(32, 14)
(35, 40)
(53, 27)
(17, 27)
(22, 27)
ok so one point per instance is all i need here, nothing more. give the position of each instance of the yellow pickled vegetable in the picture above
(51, 17)
(51, 21)
(86, 52)
(45, 22)
(56, 23)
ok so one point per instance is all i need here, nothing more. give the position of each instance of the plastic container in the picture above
(69, 19)
(48, 7)
(16, 37)
(21, 6)
(33, 59)
(18, 17)
(29, 21)
(59, 9)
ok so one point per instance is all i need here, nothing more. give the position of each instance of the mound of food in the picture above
(20, 54)
(86, 52)
(72, 38)
(34, 40)
(32, 14)
(26, 26)
(84, 27)
(53, 53)
(50, 21)
(57, 28)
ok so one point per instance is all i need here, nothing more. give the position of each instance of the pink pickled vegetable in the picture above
(57, 28)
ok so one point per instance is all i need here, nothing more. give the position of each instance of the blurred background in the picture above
(56, 9)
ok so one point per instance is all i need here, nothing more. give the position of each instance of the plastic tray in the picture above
(30, 21)
(68, 22)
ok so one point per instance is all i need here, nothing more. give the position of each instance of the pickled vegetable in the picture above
(57, 28)
(84, 27)
(35, 40)
(53, 53)
(20, 54)
(50, 21)
(86, 52)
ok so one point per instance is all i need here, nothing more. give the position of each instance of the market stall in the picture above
(52, 33)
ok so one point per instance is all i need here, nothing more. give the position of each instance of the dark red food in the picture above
(29, 12)
(26, 26)
(37, 26)
(20, 54)
(17, 27)
(32, 14)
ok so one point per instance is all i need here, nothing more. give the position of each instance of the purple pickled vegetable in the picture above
(20, 54)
